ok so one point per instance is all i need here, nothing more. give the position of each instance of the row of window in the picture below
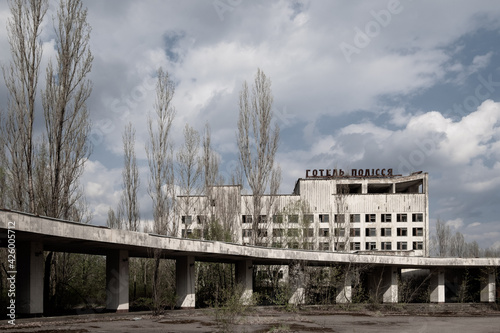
(354, 246)
(339, 218)
(338, 232)
(309, 218)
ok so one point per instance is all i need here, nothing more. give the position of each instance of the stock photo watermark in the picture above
(223, 6)
(12, 272)
(123, 107)
(381, 19)
(426, 147)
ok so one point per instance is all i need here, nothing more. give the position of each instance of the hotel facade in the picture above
(365, 210)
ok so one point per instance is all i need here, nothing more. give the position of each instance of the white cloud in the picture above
(456, 223)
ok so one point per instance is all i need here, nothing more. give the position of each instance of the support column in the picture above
(244, 277)
(184, 275)
(297, 282)
(345, 293)
(383, 284)
(117, 281)
(438, 286)
(29, 284)
(488, 285)
(390, 285)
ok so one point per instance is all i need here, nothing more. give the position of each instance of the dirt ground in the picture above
(266, 319)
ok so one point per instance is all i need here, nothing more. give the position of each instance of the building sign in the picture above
(335, 173)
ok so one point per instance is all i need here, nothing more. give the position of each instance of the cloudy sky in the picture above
(408, 85)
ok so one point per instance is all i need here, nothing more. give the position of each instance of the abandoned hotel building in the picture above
(366, 210)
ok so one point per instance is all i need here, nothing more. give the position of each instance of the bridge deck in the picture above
(66, 236)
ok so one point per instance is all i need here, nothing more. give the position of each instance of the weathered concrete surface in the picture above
(488, 285)
(262, 320)
(117, 281)
(30, 269)
(244, 272)
(438, 286)
(185, 282)
(74, 237)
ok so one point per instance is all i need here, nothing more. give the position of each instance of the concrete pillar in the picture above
(438, 286)
(185, 281)
(383, 284)
(390, 285)
(117, 281)
(29, 278)
(344, 295)
(244, 277)
(488, 285)
(297, 283)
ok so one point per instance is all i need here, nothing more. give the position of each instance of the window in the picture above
(277, 245)
(370, 218)
(385, 232)
(247, 232)
(354, 218)
(262, 219)
(293, 232)
(386, 246)
(418, 245)
(339, 232)
(247, 218)
(386, 218)
(418, 231)
(293, 219)
(402, 246)
(324, 232)
(371, 245)
(262, 233)
(201, 219)
(417, 217)
(402, 218)
(339, 218)
(339, 247)
(354, 232)
(308, 232)
(308, 218)
(293, 245)
(277, 232)
(309, 246)
(355, 246)
(324, 218)
(370, 232)
(402, 232)
(277, 218)
(186, 219)
(187, 233)
(324, 246)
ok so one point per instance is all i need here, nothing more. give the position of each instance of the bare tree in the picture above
(161, 183)
(113, 221)
(160, 160)
(21, 78)
(341, 223)
(257, 140)
(189, 171)
(66, 115)
(210, 162)
(457, 245)
(129, 206)
(442, 238)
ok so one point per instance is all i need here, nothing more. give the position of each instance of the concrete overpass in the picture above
(34, 234)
